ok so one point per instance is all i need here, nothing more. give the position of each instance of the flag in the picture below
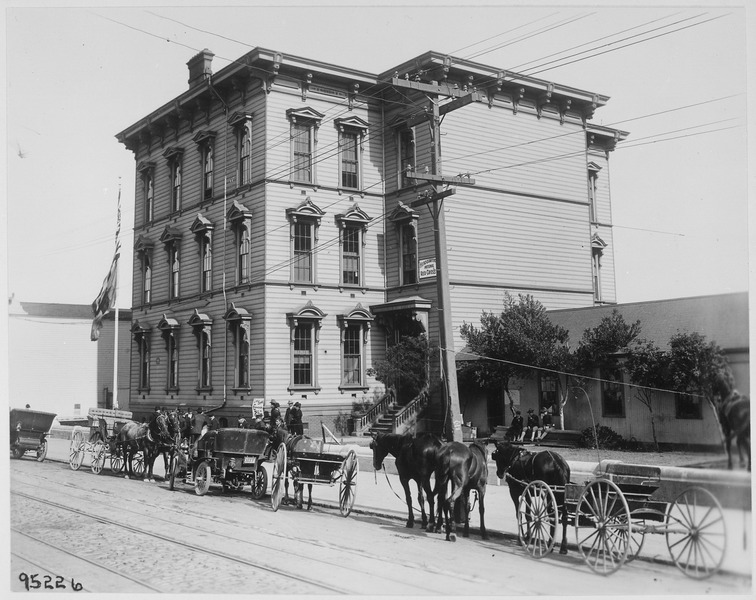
(107, 297)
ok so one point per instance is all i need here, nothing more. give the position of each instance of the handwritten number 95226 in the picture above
(34, 581)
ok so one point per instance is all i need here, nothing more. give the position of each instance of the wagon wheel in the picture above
(696, 534)
(76, 450)
(279, 477)
(259, 483)
(602, 526)
(137, 464)
(116, 461)
(537, 518)
(98, 457)
(174, 468)
(17, 452)
(202, 478)
(348, 486)
(42, 451)
(637, 533)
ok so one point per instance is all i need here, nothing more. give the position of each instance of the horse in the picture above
(521, 466)
(415, 461)
(464, 468)
(135, 437)
(733, 411)
(167, 433)
(280, 436)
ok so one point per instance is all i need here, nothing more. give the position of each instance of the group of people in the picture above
(292, 419)
(534, 430)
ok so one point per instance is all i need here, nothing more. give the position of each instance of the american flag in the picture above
(107, 297)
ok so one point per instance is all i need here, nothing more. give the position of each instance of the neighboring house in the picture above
(277, 251)
(53, 364)
(680, 420)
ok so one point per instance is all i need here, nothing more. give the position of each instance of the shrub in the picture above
(602, 437)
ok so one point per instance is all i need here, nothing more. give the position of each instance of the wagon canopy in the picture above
(32, 420)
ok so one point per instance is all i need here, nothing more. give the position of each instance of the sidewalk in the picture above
(381, 494)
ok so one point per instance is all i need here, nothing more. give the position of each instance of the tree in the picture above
(648, 367)
(520, 340)
(404, 371)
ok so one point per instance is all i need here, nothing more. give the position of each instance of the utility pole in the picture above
(434, 200)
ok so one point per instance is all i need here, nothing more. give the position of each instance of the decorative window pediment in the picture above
(403, 213)
(594, 168)
(597, 243)
(170, 235)
(308, 311)
(203, 137)
(306, 210)
(142, 244)
(304, 114)
(139, 329)
(237, 314)
(173, 152)
(168, 324)
(354, 216)
(199, 320)
(352, 122)
(239, 118)
(237, 212)
(145, 167)
(201, 225)
(357, 316)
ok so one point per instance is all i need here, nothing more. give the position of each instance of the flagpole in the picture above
(116, 323)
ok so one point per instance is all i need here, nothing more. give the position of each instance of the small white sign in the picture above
(427, 268)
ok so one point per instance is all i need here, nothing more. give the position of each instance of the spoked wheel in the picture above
(174, 468)
(537, 518)
(202, 478)
(637, 535)
(17, 452)
(279, 477)
(42, 451)
(116, 462)
(98, 457)
(348, 486)
(259, 483)
(137, 464)
(696, 535)
(602, 526)
(76, 450)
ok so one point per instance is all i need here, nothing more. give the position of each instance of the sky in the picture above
(676, 77)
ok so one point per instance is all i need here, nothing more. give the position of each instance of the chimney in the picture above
(200, 67)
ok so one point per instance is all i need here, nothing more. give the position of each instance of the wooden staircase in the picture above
(385, 423)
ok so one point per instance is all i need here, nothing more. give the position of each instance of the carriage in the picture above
(230, 457)
(101, 443)
(613, 512)
(28, 432)
(307, 461)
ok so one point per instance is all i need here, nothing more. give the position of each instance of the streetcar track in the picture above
(187, 545)
(289, 553)
(77, 557)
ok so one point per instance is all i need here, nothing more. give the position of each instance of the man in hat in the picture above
(287, 416)
(546, 423)
(241, 423)
(275, 415)
(516, 428)
(532, 424)
(295, 424)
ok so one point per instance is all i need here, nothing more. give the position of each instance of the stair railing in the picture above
(413, 407)
(375, 411)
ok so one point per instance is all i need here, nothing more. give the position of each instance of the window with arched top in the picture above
(239, 322)
(405, 222)
(240, 219)
(205, 141)
(171, 239)
(241, 122)
(352, 132)
(143, 249)
(305, 324)
(355, 328)
(169, 329)
(304, 123)
(201, 326)
(304, 223)
(141, 335)
(146, 171)
(352, 228)
(202, 229)
(174, 156)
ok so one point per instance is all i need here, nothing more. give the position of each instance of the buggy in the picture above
(28, 432)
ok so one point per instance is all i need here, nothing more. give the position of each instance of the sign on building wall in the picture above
(427, 268)
(257, 407)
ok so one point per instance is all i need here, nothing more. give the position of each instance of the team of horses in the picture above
(459, 469)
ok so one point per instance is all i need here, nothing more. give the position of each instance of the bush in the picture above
(602, 437)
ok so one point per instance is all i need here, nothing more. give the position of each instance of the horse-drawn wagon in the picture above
(613, 512)
(28, 432)
(230, 457)
(307, 461)
(101, 442)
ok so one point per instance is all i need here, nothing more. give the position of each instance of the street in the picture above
(108, 534)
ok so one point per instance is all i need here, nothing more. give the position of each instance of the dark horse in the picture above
(734, 415)
(135, 437)
(415, 461)
(464, 468)
(521, 466)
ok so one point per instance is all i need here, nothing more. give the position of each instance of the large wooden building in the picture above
(277, 251)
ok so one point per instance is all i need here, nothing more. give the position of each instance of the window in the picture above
(174, 157)
(406, 155)
(351, 134)
(242, 125)
(593, 171)
(405, 221)
(597, 251)
(202, 228)
(147, 171)
(612, 393)
(240, 219)
(305, 334)
(688, 407)
(141, 334)
(205, 141)
(171, 238)
(354, 335)
(169, 328)
(352, 226)
(239, 323)
(548, 386)
(305, 220)
(303, 132)
(201, 326)
(143, 251)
